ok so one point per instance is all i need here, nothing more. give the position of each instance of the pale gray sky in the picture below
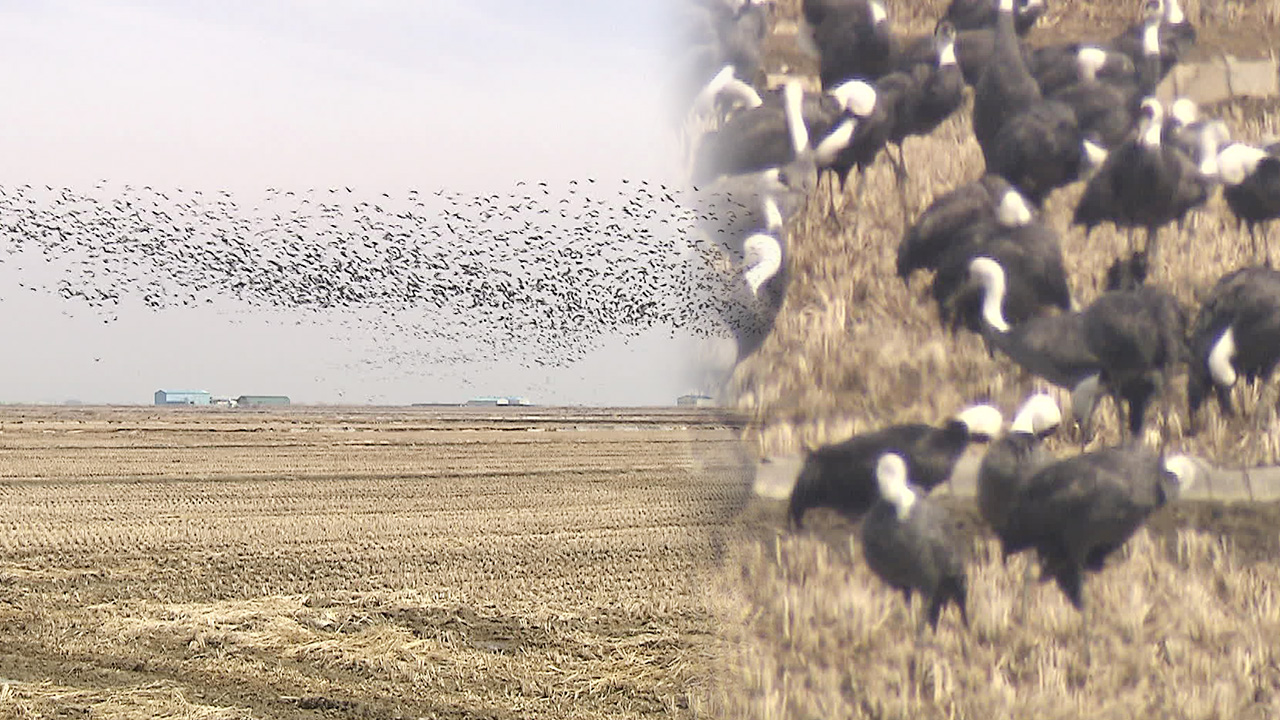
(383, 95)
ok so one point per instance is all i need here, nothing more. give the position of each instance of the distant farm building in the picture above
(262, 400)
(692, 400)
(490, 401)
(183, 397)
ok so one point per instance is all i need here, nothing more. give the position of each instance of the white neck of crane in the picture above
(878, 13)
(891, 479)
(1209, 142)
(793, 107)
(772, 215)
(1013, 210)
(1238, 161)
(1151, 39)
(947, 56)
(763, 255)
(1037, 414)
(835, 142)
(1151, 134)
(1089, 60)
(1220, 359)
(991, 275)
(746, 94)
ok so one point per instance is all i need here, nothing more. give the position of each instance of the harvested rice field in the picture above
(361, 563)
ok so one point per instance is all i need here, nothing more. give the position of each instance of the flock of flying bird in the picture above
(1045, 116)
(539, 275)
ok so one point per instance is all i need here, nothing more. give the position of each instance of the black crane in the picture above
(841, 476)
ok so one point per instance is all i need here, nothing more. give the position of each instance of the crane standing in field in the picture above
(913, 545)
(1076, 512)
(1236, 332)
(841, 476)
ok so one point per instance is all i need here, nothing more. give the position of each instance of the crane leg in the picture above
(834, 190)
(1153, 238)
(1137, 413)
(1084, 635)
(1024, 596)
(900, 178)
(1123, 412)
(857, 196)
(1084, 397)
(917, 646)
(1070, 578)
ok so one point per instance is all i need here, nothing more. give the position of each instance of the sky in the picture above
(382, 95)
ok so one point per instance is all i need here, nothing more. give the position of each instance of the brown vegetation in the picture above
(358, 564)
(1183, 627)
(1185, 620)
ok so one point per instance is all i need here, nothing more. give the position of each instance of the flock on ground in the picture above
(1045, 115)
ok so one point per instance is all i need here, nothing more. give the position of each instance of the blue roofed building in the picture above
(183, 397)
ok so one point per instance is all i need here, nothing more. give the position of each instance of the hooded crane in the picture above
(1032, 142)
(1035, 275)
(852, 39)
(719, 33)
(842, 476)
(871, 132)
(754, 303)
(1105, 109)
(1143, 183)
(1236, 332)
(974, 208)
(1138, 336)
(1075, 512)
(974, 49)
(725, 88)
(721, 44)
(1006, 87)
(757, 298)
(737, 205)
(764, 137)
(1051, 347)
(926, 95)
(1058, 66)
(1011, 461)
(1251, 186)
(913, 544)
(755, 140)
(979, 14)
(1200, 139)
(1173, 35)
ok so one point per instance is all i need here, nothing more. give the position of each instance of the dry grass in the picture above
(1184, 621)
(1181, 629)
(359, 564)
